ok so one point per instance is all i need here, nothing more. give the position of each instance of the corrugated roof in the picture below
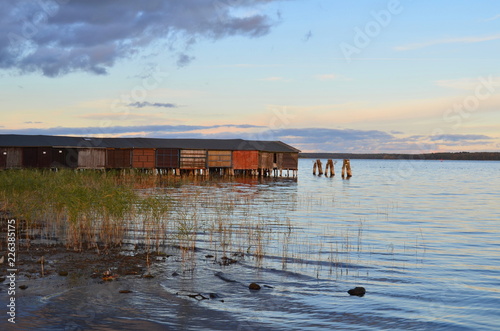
(12, 140)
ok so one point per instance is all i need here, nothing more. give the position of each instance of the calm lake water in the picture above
(423, 238)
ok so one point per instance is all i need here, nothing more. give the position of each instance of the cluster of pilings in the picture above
(330, 169)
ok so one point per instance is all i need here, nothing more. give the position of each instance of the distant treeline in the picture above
(486, 156)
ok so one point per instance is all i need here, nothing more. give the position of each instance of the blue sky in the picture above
(333, 76)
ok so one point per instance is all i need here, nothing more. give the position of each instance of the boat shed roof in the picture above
(13, 140)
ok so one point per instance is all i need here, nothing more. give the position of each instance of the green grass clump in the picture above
(89, 206)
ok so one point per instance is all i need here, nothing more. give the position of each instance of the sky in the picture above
(394, 76)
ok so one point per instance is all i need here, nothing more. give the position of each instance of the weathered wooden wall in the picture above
(193, 159)
(245, 160)
(167, 158)
(92, 158)
(11, 157)
(266, 160)
(143, 158)
(64, 158)
(219, 159)
(119, 158)
(290, 161)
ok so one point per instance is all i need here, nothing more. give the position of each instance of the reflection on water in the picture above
(420, 236)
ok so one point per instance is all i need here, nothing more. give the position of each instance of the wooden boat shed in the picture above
(165, 156)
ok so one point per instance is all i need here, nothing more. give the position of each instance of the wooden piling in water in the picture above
(346, 168)
(318, 167)
(329, 168)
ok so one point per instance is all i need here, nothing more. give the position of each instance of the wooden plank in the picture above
(64, 158)
(3, 158)
(14, 157)
(245, 160)
(219, 159)
(290, 161)
(119, 158)
(167, 158)
(91, 158)
(193, 159)
(266, 160)
(30, 157)
(143, 158)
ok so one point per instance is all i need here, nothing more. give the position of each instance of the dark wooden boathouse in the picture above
(164, 156)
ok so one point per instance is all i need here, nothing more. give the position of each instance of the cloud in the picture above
(326, 77)
(184, 60)
(494, 18)
(468, 83)
(313, 139)
(59, 37)
(121, 130)
(459, 137)
(307, 36)
(30, 122)
(274, 79)
(460, 40)
(152, 104)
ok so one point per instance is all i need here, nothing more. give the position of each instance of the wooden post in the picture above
(329, 168)
(320, 167)
(346, 168)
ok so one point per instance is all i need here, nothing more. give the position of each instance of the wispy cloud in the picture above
(461, 40)
(152, 104)
(327, 77)
(122, 130)
(492, 18)
(275, 79)
(459, 137)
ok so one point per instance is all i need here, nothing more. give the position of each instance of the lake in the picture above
(422, 237)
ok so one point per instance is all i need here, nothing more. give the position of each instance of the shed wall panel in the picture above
(193, 159)
(14, 157)
(30, 157)
(167, 158)
(266, 160)
(119, 158)
(245, 160)
(290, 161)
(91, 158)
(219, 159)
(3, 158)
(143, 158)
(64, 158)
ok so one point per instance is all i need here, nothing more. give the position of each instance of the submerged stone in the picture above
(359, 291)
(254, 286)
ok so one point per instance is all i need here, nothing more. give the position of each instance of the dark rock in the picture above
(227, 261)
(148, 276)
(359, 291)
(23, 287)
(63, 273)
(254, 286)
(125, 291)
(209, 256)
(175, 274)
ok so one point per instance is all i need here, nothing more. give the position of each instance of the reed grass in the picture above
(98, 210)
